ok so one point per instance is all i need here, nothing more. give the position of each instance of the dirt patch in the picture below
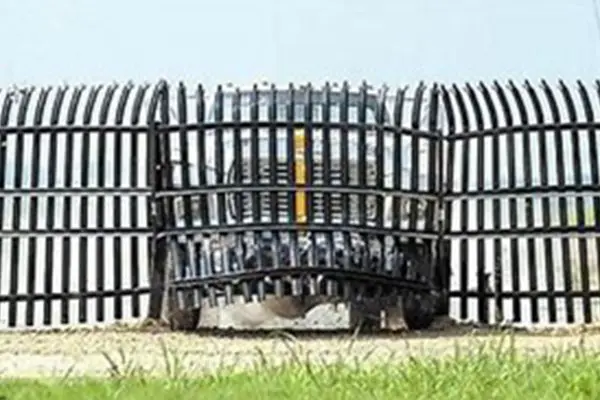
(149, 347)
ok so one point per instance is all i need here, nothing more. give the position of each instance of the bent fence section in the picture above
(515, 173)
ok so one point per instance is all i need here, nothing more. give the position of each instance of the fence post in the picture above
(442, 262)
(158, 247)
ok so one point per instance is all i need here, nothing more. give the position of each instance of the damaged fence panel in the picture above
(312, 197)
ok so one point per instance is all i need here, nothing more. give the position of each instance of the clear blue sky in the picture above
(396, 42)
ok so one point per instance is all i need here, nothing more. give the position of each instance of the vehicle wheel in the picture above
(419, 310)
(180, 311)
(365, 316)
(419, 307)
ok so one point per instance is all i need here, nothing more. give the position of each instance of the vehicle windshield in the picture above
(300, 102)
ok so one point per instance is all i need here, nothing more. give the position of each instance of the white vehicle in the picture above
(224, 255)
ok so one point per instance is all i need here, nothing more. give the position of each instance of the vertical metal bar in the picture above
(165, 160)
(220, 175)
(496, 216)
(301, 206)
(184, 162)
(464, 210)
(435, 209)
(361, 154)
(18, 177)
(310, 176)
(332, 287)
(274, 195)
(255, 170)
(202, 266)
(100, 204)
(238, 181)
(4, 118)
(156, 274)
(19, 181)
(188, 217)
(515, 259)
(166, 204)
(380, 133)
(415, 178)
(581, 248)
(398, 169)
(189, 296)
(345, 177)
(532, 266)
(133, 201)
(593, 145)
(291, 148)
(238, 171)
(68, 242)
(433, 161)
(85, 165)
(52, 172)
(117, 222)
(33, 206)
(562, 202)
(415, 167)
(155, 174)
(482, 284)
(33, 209)
(449, 188)
(543, 156)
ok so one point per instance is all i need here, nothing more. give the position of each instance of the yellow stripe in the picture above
(300, 171)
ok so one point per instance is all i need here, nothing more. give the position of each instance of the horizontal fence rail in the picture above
(92, 179)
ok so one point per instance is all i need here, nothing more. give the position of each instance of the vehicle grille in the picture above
(318, 198)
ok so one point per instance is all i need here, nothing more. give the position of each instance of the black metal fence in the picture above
(74, 205)
(505, 177)
(522, 201)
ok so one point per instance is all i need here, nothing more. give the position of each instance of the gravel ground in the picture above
(89, 352)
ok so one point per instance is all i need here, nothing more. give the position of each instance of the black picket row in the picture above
(493, 191)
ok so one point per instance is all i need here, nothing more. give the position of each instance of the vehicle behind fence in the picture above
(482, 201)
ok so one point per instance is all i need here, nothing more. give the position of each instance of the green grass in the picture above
(487, 373)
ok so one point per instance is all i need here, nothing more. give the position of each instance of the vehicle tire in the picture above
(365, 316)
(419, 310)
(180, 311)
(419, 307)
